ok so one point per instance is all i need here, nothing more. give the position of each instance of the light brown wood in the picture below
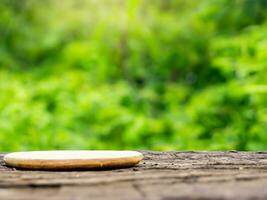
(160, 176)
(66, 160)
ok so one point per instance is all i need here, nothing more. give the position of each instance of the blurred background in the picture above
(133, 74)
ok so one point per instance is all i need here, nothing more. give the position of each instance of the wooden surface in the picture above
(166, 176)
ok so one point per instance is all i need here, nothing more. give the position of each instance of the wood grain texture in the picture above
(165, 176)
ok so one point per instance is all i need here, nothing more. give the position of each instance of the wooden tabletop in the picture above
(161, 175)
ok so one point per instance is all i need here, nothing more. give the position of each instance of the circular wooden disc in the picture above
(64, 160)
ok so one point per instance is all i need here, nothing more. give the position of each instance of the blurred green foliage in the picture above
(135, 74)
